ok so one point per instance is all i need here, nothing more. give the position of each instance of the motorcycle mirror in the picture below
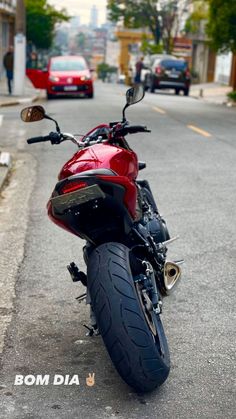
(133, 95)
(32, 114)
(36, 113)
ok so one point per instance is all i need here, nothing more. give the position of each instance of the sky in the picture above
(82, 8)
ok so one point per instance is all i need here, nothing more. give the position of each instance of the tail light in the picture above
(158, 70)
(187, 73)
(73, 186)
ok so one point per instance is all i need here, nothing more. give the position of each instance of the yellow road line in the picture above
(155, 108)
(200, 131)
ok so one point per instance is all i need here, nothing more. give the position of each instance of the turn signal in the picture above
(73, 186)
(84, 78)
(54, 78)
(158, 70)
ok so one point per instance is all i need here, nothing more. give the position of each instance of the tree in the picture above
(41, 19)
(222, 28)
(198, 16)
(222, 24)
(105, 70)
(137, 14)
(161, 18)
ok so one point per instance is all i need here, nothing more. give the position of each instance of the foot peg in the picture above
(76, 274)
(81, 297)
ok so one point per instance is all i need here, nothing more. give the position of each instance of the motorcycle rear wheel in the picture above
(140, 357)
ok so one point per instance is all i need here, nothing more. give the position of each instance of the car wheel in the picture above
(177, 91)
(145, 85)
(90, 95)
(49, 96)
(152, 86)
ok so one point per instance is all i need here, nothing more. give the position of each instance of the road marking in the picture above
(159, 110)
(1, 119)
(200, 131)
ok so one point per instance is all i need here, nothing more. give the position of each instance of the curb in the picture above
(210, 100)
(5, 167)
(20, 101)
(5, 157)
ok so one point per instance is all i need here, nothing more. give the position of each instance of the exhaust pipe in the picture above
(172, 274)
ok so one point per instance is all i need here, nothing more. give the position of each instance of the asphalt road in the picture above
(190, 157)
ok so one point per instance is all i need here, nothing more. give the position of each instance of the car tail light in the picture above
(73, 186)
(158, 70)
(187, 73)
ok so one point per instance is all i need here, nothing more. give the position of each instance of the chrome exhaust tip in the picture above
(172, 274)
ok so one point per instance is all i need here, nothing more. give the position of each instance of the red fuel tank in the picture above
(102, 156)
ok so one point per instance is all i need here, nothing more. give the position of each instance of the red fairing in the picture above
(107, 156)
(102, 156)
(60, 223)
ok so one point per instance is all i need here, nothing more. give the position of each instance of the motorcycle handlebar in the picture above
(132, 129)
(54, 137)
(38, 139)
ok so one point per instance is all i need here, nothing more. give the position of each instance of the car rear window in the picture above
(177, 65)
(68, 65)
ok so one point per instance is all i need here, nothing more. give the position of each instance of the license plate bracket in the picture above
(64, 202)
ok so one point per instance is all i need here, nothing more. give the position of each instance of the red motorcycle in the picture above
(99, 199)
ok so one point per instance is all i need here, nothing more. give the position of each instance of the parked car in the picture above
(168, 73)
(64, 75)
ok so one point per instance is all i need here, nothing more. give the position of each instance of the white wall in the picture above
(112, 53)
(223, 68)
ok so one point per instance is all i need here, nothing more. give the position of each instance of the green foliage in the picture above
(160, 21)
(149, 48)
(199, 14)
(40, 22)
(136, 15)
(105, 70)
(232, 95)
(222, 24)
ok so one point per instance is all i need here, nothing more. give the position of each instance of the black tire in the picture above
(90, 95)
(49, 96)
(121, 320)
(152, 86)
(177, 91)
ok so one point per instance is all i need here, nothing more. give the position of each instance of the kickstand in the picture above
(91, 330)
(81, 297)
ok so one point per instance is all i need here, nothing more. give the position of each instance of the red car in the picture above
(65, 75)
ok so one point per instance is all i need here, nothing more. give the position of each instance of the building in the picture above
(93, 17)
(7, 22)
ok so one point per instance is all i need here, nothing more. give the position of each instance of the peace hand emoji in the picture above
(90, 380)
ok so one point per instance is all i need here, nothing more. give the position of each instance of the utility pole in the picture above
(233, 73)
(19, 49)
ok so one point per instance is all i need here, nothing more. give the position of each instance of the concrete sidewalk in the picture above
(211, 92)
(30, 95)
